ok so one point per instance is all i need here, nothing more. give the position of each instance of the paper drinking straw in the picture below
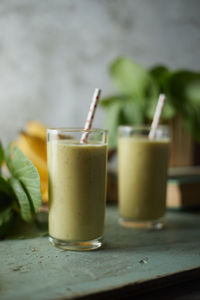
(157, 115)
(91, 113)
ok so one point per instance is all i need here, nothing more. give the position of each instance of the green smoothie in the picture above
(142, 166)
(77, 183)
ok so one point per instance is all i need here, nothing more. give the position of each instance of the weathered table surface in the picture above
(33, 269)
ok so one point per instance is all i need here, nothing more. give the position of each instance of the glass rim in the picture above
(141, 127)
(75, 129)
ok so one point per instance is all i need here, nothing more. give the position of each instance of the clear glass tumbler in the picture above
(77, 187)
(142, 171)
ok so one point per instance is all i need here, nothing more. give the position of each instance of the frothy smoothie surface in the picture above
(77, 189)
(142, 166)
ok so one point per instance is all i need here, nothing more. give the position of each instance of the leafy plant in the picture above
(20, 194)
(137, 96)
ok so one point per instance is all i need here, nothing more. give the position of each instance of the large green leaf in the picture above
(23, 169)
(23, 200)
(133, 80)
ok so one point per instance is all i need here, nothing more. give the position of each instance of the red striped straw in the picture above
(91, 113)
(157, 115)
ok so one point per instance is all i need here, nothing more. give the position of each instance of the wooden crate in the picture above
(182, 146)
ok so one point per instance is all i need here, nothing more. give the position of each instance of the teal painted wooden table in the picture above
(129, 261)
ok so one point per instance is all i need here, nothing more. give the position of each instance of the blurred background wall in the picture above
(54, 53)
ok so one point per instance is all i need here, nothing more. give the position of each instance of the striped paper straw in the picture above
(91, 113)
(157, 115)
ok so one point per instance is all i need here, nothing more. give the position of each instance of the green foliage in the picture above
(132, 80)
(137, 96)
(184, 88)
(23, 169)
(23, 200)
(6, 220)
(20, 194)
(1, 155)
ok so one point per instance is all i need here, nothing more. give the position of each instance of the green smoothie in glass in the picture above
(142, 171)
(77, 188)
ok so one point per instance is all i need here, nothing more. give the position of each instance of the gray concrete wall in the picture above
(54, 53)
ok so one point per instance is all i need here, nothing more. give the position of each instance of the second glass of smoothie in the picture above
(142, 171)
(77, 187)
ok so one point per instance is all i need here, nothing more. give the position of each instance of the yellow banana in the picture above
(36, 129)
(44, 190)
(35, 150)
(31, 143)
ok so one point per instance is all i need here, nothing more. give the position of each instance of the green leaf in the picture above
(192, 92)
(184, 87)
(1, 155)
(6, 195)
(191, 122)
(5, 187)
(160, 74)
(108, 101)
(112, 122)
(23, 169)
(23, 230)
(6, 220)
(132, 113)
(169, 110)
(158, 71)
(133, 80)
(123, 111)
(23, 200)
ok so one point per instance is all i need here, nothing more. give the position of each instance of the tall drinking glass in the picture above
(77, 187)
(142, 170)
